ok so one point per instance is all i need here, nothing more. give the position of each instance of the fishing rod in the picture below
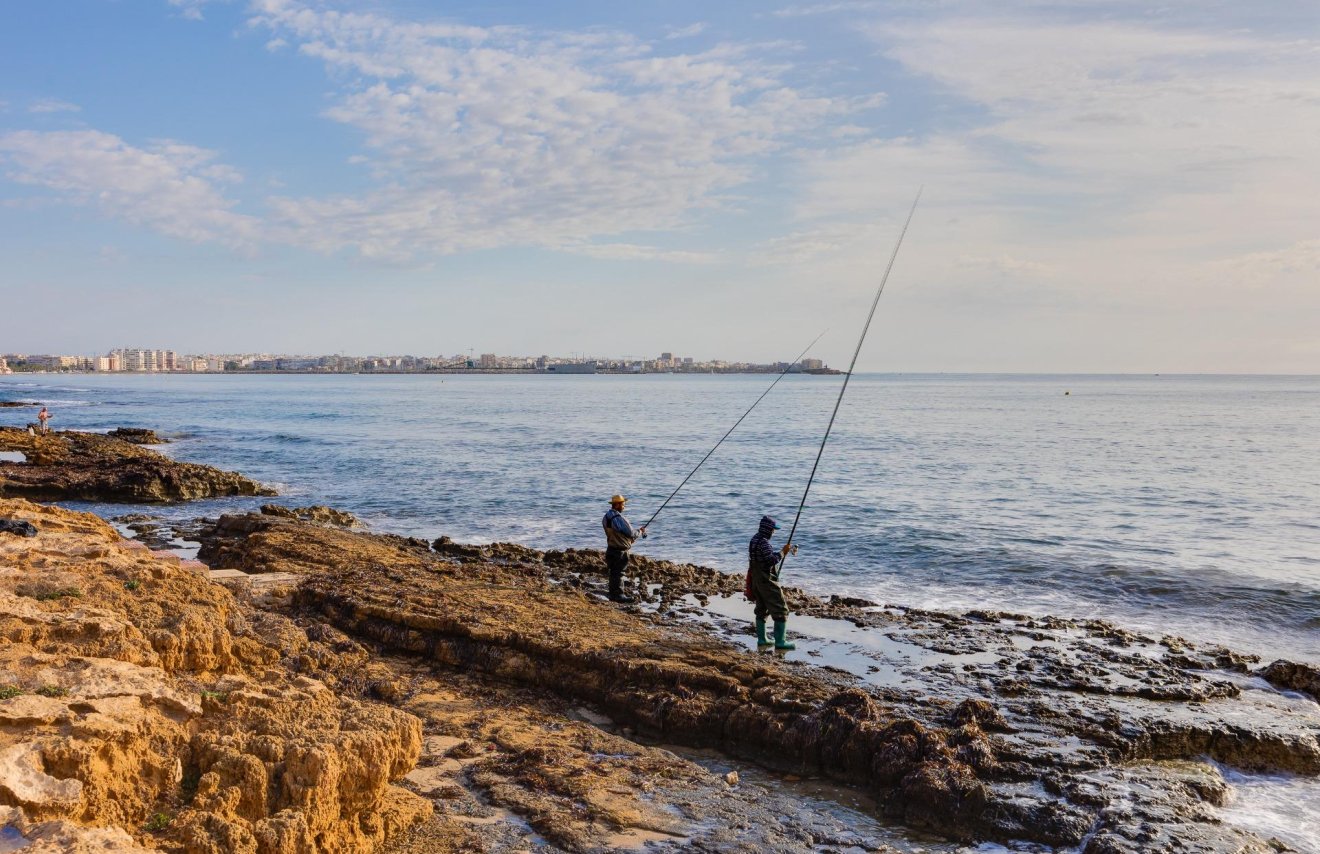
(865, 328)
(734, 427)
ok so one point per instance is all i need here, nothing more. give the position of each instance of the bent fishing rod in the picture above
(734, 427)
(865, 328)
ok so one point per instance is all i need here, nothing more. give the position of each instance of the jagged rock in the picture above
(318, 513)
(70, 466)
(18, 528)
(63, 837)
(127, 701)
(1295, 677)
(999, 746)
(137, 436)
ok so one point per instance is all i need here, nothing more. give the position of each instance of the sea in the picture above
(1163, 503)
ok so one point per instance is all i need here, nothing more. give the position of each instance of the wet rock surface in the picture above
(94, 467)
(137, 436)
(317, 513)
(1295, 677)
(980, 726)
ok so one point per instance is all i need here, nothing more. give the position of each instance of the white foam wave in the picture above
(1275, 805)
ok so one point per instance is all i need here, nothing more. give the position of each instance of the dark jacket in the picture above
(760, 554)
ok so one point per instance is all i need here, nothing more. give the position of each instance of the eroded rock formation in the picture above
(143, 706)
(94, 467)
(979, 726)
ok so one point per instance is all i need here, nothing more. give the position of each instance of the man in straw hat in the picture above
(619, 538)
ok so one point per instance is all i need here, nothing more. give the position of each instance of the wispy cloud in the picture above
(687, 32)
(482, 137)
(1298, 264)
(635, 252)
(53, 105)
(192, 9)
(169, 187)
(1121, 146)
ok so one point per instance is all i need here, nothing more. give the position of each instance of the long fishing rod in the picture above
(734, 427)
(875, 302)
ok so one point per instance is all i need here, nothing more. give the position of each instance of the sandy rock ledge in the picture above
(139, 709)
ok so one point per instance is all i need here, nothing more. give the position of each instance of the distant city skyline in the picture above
(1109, 186)
(148, 360)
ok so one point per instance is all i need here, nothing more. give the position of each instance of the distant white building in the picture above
(146, 361)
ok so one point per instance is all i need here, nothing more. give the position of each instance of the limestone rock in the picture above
(157, 705)
(72, 466)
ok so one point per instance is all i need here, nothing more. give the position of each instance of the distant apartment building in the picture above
(489, 360)
(4, 366)
(812, 364)
(146, 361)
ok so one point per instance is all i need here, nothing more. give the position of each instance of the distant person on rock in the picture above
(619, 538)
(763, 583)
(43, 418)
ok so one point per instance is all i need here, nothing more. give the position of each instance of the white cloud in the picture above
(192, 9)
(1007, 265)
(687, 32)
(1297, 264)
(170, 187)
(1118, 151)
(484, 137)
(52, 105)
(1136, 120)
(635, 252)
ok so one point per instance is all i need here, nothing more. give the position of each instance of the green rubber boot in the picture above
(780, 643)
(761, 640)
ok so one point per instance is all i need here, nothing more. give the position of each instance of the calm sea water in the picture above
(1168, 503)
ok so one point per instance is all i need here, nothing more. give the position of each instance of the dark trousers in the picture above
(768, 595)
(616, 561)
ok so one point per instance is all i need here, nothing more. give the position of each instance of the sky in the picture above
(1106, 187)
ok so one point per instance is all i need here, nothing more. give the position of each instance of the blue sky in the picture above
(1108, 186)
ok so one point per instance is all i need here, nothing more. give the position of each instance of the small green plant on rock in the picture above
(46, 593)
(9, 692)
(218, 696)
(158, 822)
(132, 584)
(53, 691)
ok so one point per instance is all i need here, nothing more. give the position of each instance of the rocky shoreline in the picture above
(390, 693)
(114, 467)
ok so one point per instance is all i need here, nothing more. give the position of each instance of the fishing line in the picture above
(734, 427)
(875, 302)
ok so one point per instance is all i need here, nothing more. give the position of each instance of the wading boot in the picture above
(780, 643)
(761, 640)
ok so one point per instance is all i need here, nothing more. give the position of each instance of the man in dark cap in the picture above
(763, 572)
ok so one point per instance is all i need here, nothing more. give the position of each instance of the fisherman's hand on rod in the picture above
(642, 532)
(788, 549)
